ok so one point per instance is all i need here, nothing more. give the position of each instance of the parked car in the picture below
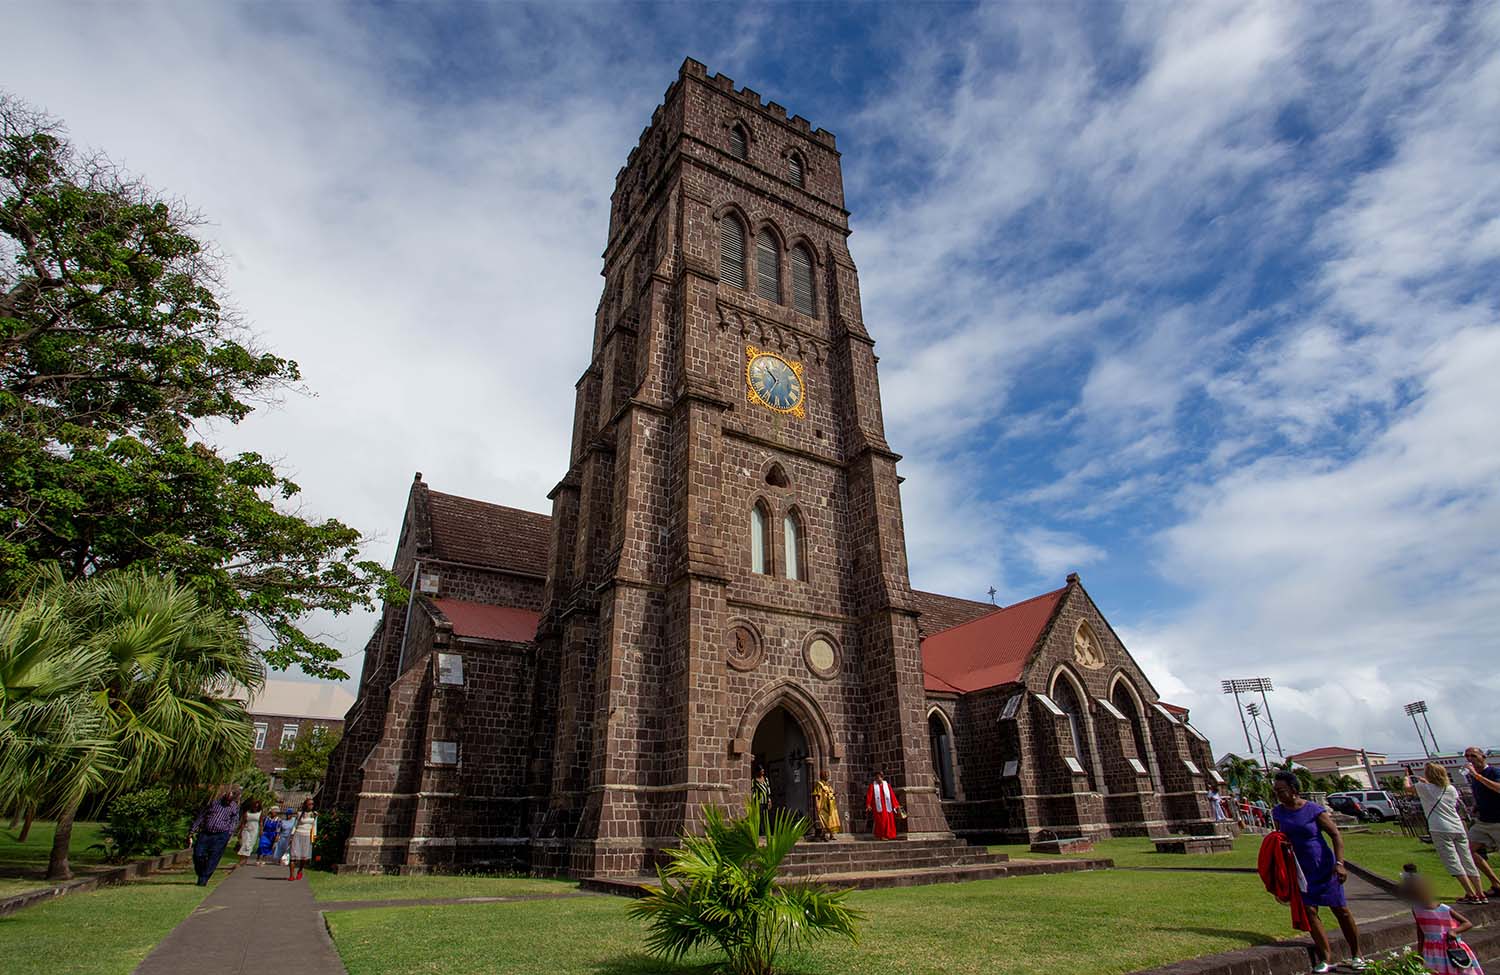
(1378, 805)
(1347, 804)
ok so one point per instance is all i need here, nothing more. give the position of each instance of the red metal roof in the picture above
(482, 622)
(1327, 751)
(1174, 708)
(987, 651)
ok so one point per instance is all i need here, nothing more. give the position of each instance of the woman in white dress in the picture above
(249, 830)
(302, 840)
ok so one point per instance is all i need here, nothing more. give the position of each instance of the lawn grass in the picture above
(364, 887)
(1101, 922)
(1382, 850)
(103, 932)
(23, 866)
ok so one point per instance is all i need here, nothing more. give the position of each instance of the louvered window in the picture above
(767, 267)
(732, 251)
(794, 169)
(802, 281)
(739, 144)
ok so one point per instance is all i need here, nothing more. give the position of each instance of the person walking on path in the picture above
(1321, 870)
(1440, 805)
(1438, 928)
(284, 834)
(303, 835)
(249, 831)
(1484, 835)
(210, 833)
(826, 805)
(882, 804)
(268, 830)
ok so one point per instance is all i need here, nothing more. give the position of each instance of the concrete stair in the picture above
(866, 864)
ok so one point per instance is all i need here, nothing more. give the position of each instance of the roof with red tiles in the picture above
(988, 650)
(479, 621)
(941, 613)
(480, 533)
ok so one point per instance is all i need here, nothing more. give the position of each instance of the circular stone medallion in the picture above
(744, 650)
(821, 655)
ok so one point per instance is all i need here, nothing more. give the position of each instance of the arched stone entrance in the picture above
(781, 746)
(940, 743)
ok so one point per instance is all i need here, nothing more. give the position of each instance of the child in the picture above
(1438, 927)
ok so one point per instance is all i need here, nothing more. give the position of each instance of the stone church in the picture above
(722, 581)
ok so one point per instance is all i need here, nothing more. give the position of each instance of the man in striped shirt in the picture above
(211, 831)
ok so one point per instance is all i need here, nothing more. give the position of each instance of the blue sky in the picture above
(1198, 300)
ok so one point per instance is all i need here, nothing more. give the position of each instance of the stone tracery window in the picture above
(792, 537)
(759, 525)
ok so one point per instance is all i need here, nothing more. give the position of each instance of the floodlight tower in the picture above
(1253, 710)
(1420, 707)
(1230, 687)
(1251, 685)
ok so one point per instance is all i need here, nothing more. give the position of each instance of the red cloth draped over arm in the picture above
(1278, 871)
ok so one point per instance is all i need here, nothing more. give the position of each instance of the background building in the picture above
(1338, 760)
(285, 709)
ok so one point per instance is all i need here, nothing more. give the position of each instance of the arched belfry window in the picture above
(732, 251)
(792, 536)
(739, 142)
(794, 170)
(767, 266)
(802, 281)
(759, 538)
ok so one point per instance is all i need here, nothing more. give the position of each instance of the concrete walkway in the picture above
(254, 921)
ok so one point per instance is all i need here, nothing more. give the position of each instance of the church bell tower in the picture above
(728, 581)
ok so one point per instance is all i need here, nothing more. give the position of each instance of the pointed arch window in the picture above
(767, 266)
(759, 523)
(739, 142)
(791, 531)
(794, 170)
(802, 281)
(732, 250)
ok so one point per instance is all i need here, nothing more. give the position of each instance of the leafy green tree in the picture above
(162, 664)
(252, 783)
(1393, 784)
(720, 889)
(306, 762)
(116, 346)
(147, 822)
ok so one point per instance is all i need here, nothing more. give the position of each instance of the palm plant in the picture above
(720, 889)
(126, 678)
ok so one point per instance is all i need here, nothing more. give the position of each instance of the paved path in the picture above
(254, 921)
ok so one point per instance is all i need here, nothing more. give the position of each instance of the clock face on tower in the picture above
(774, 382)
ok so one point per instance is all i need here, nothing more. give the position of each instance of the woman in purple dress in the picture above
(1321, 872)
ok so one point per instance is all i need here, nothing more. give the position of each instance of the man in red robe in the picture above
(882, 804)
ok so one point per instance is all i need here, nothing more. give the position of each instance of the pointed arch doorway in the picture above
(780, 746)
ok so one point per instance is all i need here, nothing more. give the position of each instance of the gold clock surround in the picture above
(797, 409)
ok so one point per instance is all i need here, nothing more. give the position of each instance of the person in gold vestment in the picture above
(827, 825)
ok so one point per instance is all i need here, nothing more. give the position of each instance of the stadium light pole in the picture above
(1253, 685)
(1230, 687)
(1420, 707)
(1253, 710)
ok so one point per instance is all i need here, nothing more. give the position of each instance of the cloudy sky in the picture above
(1198, 300)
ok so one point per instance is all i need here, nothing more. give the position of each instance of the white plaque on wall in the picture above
(444, 752)
(450, 668)
(1011, 768)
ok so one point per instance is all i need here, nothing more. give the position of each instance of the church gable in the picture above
(1080, 641)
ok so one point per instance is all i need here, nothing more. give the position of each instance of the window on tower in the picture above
(759, 523)
(732, 251)
(793, 532)
(802, 281)
(794, 170)
(739, 142)
(767, 266)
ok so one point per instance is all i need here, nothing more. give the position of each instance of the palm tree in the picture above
(53, 749)
(1244, 774)
(726, 895)
(164, 664)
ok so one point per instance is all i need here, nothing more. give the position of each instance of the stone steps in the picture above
(873, 879)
